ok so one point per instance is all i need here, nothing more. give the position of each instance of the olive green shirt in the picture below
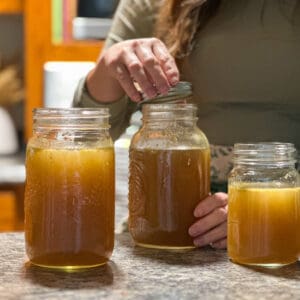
(244, 67)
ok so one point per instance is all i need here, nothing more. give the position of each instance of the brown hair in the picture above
(179, 20)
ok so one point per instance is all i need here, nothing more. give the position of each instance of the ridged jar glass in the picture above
(169, 164)
(70, 189)
(264, 205)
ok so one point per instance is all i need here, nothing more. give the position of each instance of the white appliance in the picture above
(91, 28)
(60, 81)
(8, 135)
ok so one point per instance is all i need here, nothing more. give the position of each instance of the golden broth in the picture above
(69, 206)
(164, 188)
(263, 225)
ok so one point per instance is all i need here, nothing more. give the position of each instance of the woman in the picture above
(242, 58)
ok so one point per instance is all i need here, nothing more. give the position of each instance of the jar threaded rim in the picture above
(169, 111)
(264, 153)
(72, 118)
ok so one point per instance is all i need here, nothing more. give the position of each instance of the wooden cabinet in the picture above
(11, 6)
(39, 48)
(11, 196)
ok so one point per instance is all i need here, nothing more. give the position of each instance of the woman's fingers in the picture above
(166, 61)
(153, 68)
(214, 237)
(210, 203)
(136, 70)
(211, 228)
(145, 62)
(122, 75)
(220, 244)
(209, 222)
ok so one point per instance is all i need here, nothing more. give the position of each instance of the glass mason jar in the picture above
(169, 165)
(264, 205)
(69, 193)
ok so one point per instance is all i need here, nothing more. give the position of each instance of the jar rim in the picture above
(264, 152)
(264, 147)
(169, 111)
(161, 107)
(70, 112)
(71, 118)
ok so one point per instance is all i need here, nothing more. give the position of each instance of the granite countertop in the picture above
(138, 273)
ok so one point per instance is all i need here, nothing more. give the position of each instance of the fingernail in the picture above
(198, 213)
(174, 80)
(199, 242)
(193, 232)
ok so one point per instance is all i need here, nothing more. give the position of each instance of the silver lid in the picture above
(181, 91)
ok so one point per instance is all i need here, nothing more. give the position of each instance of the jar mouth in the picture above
(264, 152)
(169, 111)
(70, 112)
(85, 118)
(170, 106)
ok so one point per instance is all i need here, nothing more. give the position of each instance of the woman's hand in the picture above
(146, 62)
(211, 227)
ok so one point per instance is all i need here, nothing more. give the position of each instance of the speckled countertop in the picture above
(137, 273)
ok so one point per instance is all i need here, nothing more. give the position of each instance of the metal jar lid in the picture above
(181, 91)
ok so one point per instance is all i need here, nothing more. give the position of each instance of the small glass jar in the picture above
(169, 165)
(69, 192)
(264, 205)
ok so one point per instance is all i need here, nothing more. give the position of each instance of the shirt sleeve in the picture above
(120, 110)
(132, 19)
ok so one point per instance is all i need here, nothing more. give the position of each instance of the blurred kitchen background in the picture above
(45, 48)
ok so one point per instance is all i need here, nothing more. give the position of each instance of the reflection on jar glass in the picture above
(69, 195)
(169, 174)
(264, 205)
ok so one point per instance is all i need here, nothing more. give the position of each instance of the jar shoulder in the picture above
(277, 177)
(55, 142)
(176, 137)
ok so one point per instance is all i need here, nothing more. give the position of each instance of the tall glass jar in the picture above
(264, 205)
(69, 194)
(169, 164)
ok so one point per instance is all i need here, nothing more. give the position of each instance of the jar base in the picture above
(164, 247)
(263, 265)
(67, 268)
